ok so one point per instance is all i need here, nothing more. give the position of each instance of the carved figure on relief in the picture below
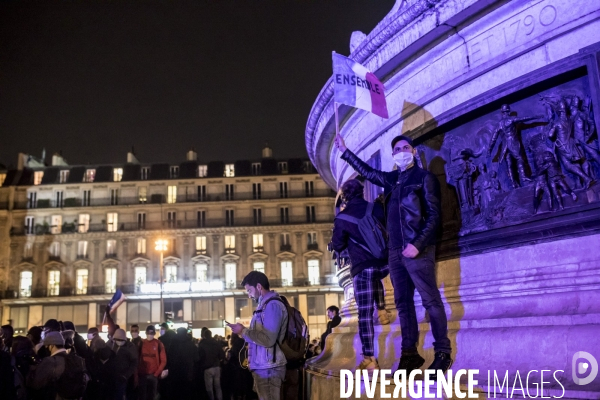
(548, 176)
(507, 131)
(486, 187)
(584, 129)
(560, 132)
(460, 173)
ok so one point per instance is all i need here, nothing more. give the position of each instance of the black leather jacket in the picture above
(412, 201)
(343, 231)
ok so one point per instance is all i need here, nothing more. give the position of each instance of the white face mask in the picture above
(43, 334)
(162, 332)
(119, 343)
(403, 159)
(150, 336)
(135, 335)
(90, 336)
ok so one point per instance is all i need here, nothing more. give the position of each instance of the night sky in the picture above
(92, 79)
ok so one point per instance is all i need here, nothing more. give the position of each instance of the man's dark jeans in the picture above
(406, 275)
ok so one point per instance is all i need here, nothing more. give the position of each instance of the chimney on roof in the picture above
(267, 152)
(191, 155)
(131, 158)
(58, 160)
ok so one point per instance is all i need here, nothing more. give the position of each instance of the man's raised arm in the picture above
(371, 174)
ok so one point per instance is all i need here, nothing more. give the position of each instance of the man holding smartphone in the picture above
(267, 329)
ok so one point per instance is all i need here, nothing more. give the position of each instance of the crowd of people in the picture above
(56, 362)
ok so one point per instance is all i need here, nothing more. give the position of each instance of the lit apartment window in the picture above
(141, 246)
(114, 197)
(172, 194)
(310, 214)
(259, 266)
(256, 168)
(144, 173)
(81, 283)
(56, 224)
(284, 215)
(229, 192)
(59, 198)
(201, 219)
(29, 225)
(117, 174)
(143, 195)
(287, 276)
(2, 179)
(257, 216)
(89, 176)
(228, 217)
(202, 171)
(256, 191)
(311, 238)
(201, 272)
(63, 176)
(313, 272)
(53, 283)
(229, 243)
(309, 189)
(86, 198)
(37, 177)
(230, 275)
(140, 275)
(112, 222)
(55, 249)
(171, 273)
(28, 250)
(172, 219)
(200, 244)
(84, 223)
(257, 242)
(229, 170)
(201, 192)
(32, 200)
(110, 282)
(282, 167)
(82, 249)
(25, 282)
(283, 190)
(141, 220)
(111, 248)
(174, 171)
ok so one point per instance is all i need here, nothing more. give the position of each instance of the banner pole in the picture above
(337, 122)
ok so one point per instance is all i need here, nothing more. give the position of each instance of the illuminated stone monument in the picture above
(502, 98)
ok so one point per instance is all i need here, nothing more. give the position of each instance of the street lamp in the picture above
(161, 246)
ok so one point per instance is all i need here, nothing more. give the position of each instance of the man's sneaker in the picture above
(410, 363)
(441, 362)
(368, 363)
(383, 317)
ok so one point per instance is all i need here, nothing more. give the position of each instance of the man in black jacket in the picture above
(210, 355)
(333, 313)
(367, 271)
(412, 200)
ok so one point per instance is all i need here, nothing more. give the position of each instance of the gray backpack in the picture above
(372, 232)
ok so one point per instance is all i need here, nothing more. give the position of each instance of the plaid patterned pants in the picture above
(368, 290)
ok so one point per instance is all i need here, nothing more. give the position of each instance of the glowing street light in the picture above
(161, 245)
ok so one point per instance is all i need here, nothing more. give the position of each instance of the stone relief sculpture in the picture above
(584, 129)
(460, 173)
(486, 187)
(511, 145)
(560, 132)
(549, 178)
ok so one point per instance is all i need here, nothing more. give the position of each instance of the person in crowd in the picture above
(185, 353)
(35, 335)
(78, 341)
(266, 359)
(42, 378)
(211, 355)
(412, 201)
(135, 335)
(6, 337)
(69, 337)
(367, 271)
(333, 314)
(23, 357)
(132, 384)
(105, 380)
(165, 386)
(94, 339)
(51, 325)
(125, 360)
(7, 381)
(152, 363)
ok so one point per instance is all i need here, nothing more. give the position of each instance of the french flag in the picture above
(116, 300)
(355, 86)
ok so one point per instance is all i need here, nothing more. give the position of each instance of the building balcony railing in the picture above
(172, 224)
(162, 199)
